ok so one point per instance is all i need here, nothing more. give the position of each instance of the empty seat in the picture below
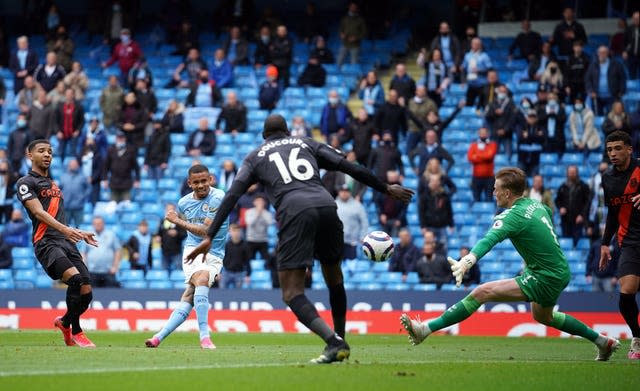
(157, 275)
(160, 285)
(131, 275)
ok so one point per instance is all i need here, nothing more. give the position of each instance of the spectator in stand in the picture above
(192, 65)
(355, 222)
(531, 139)
(386, 157)
(3, 95)
(392, 116)
(62, 45)
(403, 84)
(538, 192)
(22, 63)
(8, 179)
(234, 115)
(126, 53)
(202, 141)
(602, 280)
(616, 43)
(476, 64)
(121, 171)
(133, 120)
(262, 56)
(18, 141)
(49, 73)
(471, 276)
(353, 29)
(432, 267)
(405, 255)
(481, 154)
(117, 17)
(617, 119)
(431, 148)
(584, 134)
(436, 77)
(221, 70)
(56, 96)
(553, 119)
(362, 132)
(140, 71)
(566, 32)
(527, 42)
(469, 34)
(371, 93)
(236, 47)
(449, 46)
(313, 75)
(501, 117)
(28, 94)
(434, 209)
(281, 53)
(52, 20)
(392, 214)
(419, 106)
(553, 80)
(111, 101)
(631, 53)
(434, 169)
(538, 64)
(187, 39)
(335, 116)
(572, 200)
(41, 118)
(103, 261)
(605, 81)
(16, 232)
(489, 91)
(270, 90)
(69, 123)
(171, 237)
(577, 66)
(77, 80)
(74, 185)
(311, 25)
(237, 260)
(204, 92)
(139, 247)
(227, 175)
(148, 102)
(92, 152)
(172, 120)
(244, 204)
(597, 209)
(434, 123)
(299, 127)
(541, 102)
(6, 259)
(258, 220)
(321, 51)
(157, 152)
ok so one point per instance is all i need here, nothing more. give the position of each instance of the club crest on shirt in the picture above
(205, 208)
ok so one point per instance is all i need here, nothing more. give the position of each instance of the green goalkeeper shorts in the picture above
(541, 290)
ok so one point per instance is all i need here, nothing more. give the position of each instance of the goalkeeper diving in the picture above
(529, 225)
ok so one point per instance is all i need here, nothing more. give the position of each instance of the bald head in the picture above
(275, 123)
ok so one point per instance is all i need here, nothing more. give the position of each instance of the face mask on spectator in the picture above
(526, 105)
(121, 145)
(552, 104)
(264, 38)
(553, 70)
(333, 101)
(21, 123)
(125, 38)
(418, 99)
(204, 79)
(578, 107)
(3, 172)
(501, 96)
(116, 8)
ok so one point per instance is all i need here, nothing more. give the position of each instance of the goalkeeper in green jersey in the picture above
(529, 225)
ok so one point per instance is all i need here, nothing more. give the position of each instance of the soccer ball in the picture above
(377, 246)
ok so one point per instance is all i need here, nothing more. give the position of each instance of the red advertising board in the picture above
(371, 322)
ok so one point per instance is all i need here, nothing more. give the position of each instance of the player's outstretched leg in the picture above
(628, 307)
(177, 317)
(332, 274)
(458, 312)
(201, 305)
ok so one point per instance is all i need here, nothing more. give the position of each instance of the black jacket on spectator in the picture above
(565, 45)
(49, 82)
(14, 65)
(235, 118)
(171, 245)
(173, 122)
(133, 246)
(593, 261)
(434, 209)
(17, 144)
(361, 134)
(269, 95)
(262, 55)
(488, 95)
(454, 46)
(123, 167)
(158, 148)
(314, 75)
(393, 118)
(404, 258)
(135, 115)
(406, 87)
(147, 100)
(6, 259)
(575, 74)
(424, 155)
(242, 51)
(576, 199)
(506, 120)
(208, 145)
(528, 43)
(237, 257)
(385, 158)
(435, 271)
(324, 55)
(216, 96)
(615, 76)
(281, 50)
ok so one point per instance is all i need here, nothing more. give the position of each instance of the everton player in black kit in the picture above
(54, 241)
(620, 184)
(289, 168)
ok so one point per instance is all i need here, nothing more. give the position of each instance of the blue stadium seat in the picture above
(578, 267)
(265, 285)
(22, 252)
(257, 265)
(378, 267)
(7, 284)
(412, 278)
(390, 277)
(370, 286)
(398, 286)
(483, 207)
(29, 275)
(131, 218)
(44, 282)
(176, 276)
(491, 267)
(510, 256)
(6, 275)
(134, 284)
(168, 184)
(160, 285)
(573, 158)
(261, 276)
(566, 244)
(425, 287)
(22, 264)
(365, 277)
(157, 275)
(131, 275)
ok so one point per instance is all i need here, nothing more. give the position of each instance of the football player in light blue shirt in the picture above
(195, 213)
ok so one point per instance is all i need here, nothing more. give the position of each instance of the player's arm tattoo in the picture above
(196, 229)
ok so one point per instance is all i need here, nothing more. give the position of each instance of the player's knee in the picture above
(543, 318)
(74, 282)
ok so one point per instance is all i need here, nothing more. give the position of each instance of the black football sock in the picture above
(308, 315)
(338, 302)
(85, 300)
(629, 311)
(74, 304)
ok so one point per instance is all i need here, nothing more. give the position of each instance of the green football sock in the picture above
(455, 314)
(571, 325)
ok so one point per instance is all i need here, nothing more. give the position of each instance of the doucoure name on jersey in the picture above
(285, 141)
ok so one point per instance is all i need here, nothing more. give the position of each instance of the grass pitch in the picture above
(37, 360)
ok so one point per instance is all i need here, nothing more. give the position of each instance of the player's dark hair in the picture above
(619, 135)
(198, 168)
(33, 144)
(274, 124)
(513, 179)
